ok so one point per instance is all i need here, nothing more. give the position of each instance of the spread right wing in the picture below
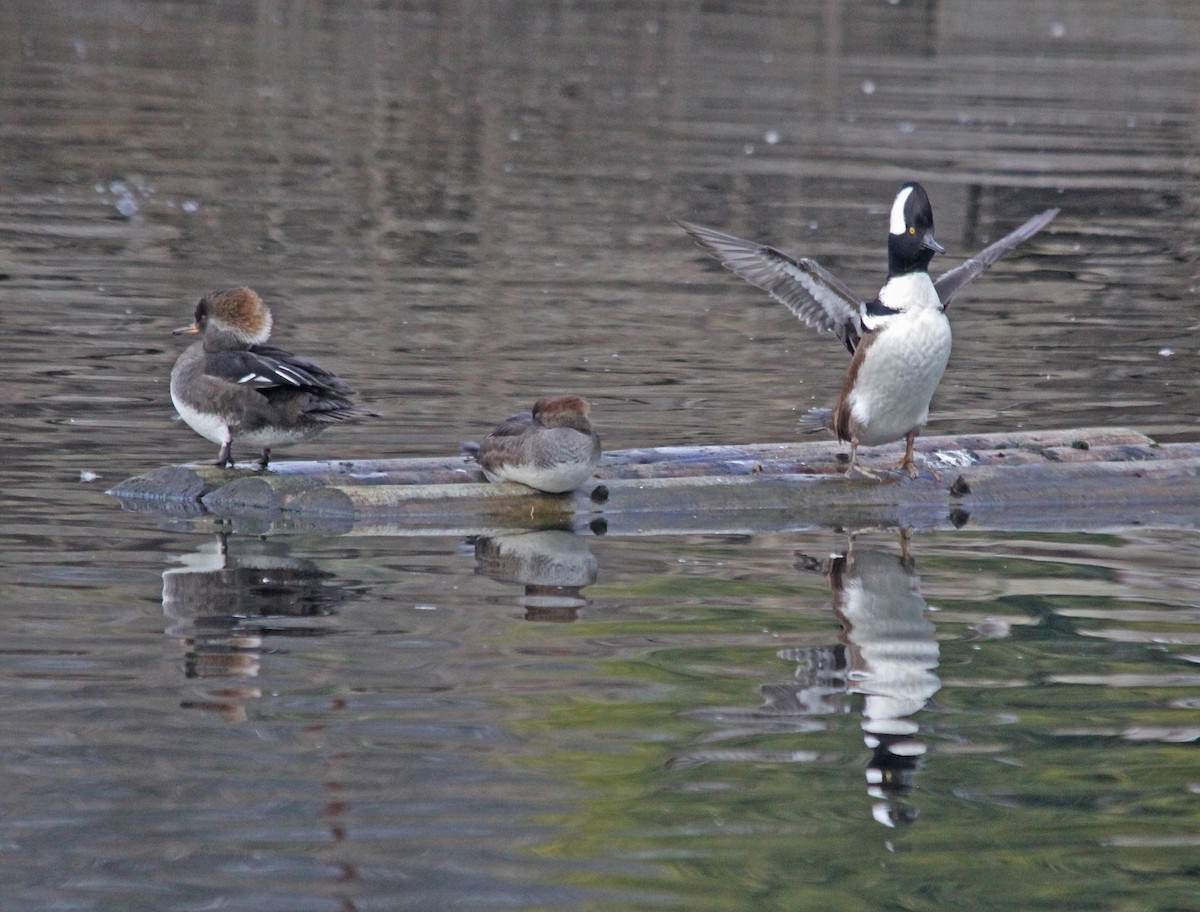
(952, 282)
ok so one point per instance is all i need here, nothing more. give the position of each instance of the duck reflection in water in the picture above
(227, 598)
(553, 565)
(888, 654)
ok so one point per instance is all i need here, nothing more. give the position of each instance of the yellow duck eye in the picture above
(912, 230)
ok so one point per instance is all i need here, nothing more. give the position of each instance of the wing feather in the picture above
(264, 367)
(814, 294)
(952, 282)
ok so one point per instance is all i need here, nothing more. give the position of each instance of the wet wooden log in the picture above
(1097, 474)
(249, 487)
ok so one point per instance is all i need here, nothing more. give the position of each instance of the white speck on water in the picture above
(814, 225)
(425, 608)
(1057, 30)
(748, 148)
(1166, 352)
(868, 87)
(127, 196)
(771, 137)
(652, 27)
(190, 206)
(514, 135)
(907, 126)
(1132, 122)
(86, 476)
(80, 48)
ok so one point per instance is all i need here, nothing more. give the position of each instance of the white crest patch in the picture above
(897, 225)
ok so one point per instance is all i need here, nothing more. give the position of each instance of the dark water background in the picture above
(461, 206)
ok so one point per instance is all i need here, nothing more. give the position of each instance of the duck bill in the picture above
(930, 243)
(190, 330)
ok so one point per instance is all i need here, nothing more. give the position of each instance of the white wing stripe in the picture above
(286, 373)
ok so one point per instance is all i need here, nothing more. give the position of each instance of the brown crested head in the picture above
(238, 311)
(561, 411)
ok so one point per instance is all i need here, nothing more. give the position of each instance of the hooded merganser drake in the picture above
(552, 449)
(229, 385)
(900, 340)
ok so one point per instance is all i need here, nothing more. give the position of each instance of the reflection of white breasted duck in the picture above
(552, 449)
(230, 386)
(900, 340)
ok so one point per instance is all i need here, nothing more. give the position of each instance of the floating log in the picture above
(1095, 476)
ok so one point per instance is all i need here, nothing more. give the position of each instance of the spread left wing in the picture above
(951, 283)
(803, 286)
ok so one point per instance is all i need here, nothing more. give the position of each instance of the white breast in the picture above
(207, 425)
(899, 374)
(913, 291)
(555, 479)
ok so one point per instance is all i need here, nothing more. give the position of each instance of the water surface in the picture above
(460, 207)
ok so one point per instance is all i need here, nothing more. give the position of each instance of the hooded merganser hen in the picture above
(552, 449)
(229, 385)
(900, 340)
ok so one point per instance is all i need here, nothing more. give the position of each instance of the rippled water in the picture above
(461, 206)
